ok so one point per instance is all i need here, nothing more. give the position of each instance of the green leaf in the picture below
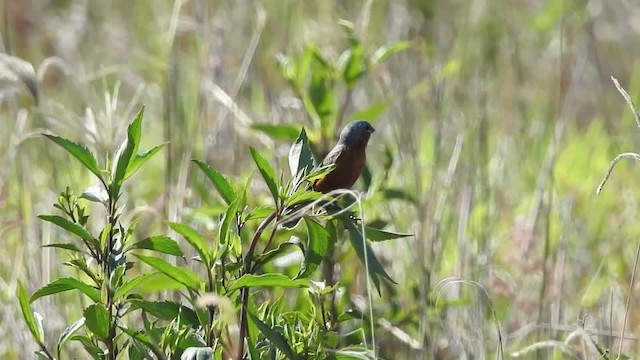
(35, 326)
(274, 253)
(300, 155)
(366, 255)
(95, 352)
(72, 228)
(267, 172)
(69, 332)
(166, 310)
(66, 284)
(131, 284)
(317, 248)
(381, 235)
(184, 276)
(97, 320)
(259, 212)
(384, 52)
(219, 182)
(65, 246)
(80, 152)
(285, 132)
(371, 113)
(305, 196)
(139, 160)
(130, 151)
(229, 218)
(273, 336)
(196, 240)
(354, 66)
(160, 243)
(321, 97)
(267, 280)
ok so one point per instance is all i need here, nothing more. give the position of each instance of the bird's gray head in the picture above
(356, 134)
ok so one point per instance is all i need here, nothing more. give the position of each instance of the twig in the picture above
(626, 308)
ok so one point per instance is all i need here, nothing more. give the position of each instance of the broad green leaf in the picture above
(354, 66)
(305, 196)
(229, 219)
(69, 332)
(196, 240)
(267, 172)
(130, 151)
(300, 155)
(72, 228)
(384, 52)
(131, 284)
(371, 113)
(219, 182)
(285, 132)
(374, 234)
(97, 320)
(166, 310)
(80, 152)
(184, 276)
(274, 337)
(66, 284)
(35, 326)
(139, 160)
(267, 280)
(316, 249)
(160, 243)
(366, 255)
(65, 246)
(259, 212)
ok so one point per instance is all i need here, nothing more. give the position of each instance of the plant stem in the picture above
(245, 291)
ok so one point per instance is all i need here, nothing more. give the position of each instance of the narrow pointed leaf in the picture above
(131, 284)
(285, 132)
(267, 172)
(219, 182)
(184, 276)
(66, 284)
(139, 160)
(300, 155)
(80, 152)
(166, 310)
(159, 243)
(229, 219)
(196, 240)
(130, 151)
(363, 250)
(65, 246)
(374, 234)
(384, 52)
(371, 113)
(72, 228)
(35, 326)
(274, 337)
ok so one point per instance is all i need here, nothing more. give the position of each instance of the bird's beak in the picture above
(371, 130)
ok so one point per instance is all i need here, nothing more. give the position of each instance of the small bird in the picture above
(349, 157)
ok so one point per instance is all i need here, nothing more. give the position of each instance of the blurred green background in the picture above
(498, 123)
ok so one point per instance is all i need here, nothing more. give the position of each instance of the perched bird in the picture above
(349, 157)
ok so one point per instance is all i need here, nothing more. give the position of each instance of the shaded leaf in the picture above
(374, 234)
(72, 228)
(66, 284)
(273, 336)
(219, 182)
(65, 246)
(366, 255)
(267, 172)
(316, 249)
(69, 332)
(166, 310)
